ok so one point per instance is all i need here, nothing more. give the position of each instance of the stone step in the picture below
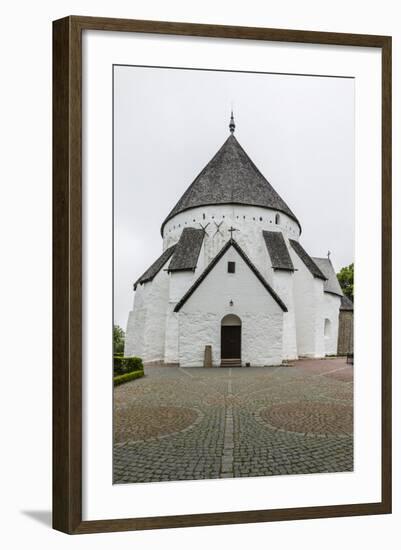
(230, 363)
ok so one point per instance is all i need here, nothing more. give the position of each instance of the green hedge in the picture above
(124, 365)
(127, 377)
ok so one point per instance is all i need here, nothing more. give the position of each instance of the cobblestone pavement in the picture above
(196, 423)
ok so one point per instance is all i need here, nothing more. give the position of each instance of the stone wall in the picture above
(346, 333)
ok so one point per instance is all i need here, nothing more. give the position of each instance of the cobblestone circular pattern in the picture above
(228, 438)
(311, 418)
(142, 423)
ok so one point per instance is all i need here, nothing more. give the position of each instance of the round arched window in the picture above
(327, 327)
(277, 219)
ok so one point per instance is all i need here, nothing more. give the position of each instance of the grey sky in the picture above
(168, 123)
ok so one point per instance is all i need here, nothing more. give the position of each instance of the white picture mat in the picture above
(101, 499)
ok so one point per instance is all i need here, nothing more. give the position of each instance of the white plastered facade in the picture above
(269, 335)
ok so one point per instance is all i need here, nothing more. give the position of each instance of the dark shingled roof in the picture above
(187, 250)
(215, 260)
(346, 304)
(331, 285)
(277, 250)
(230, 178)
(154, 269)
(310, 264)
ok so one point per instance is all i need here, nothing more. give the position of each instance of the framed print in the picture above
(222, 275)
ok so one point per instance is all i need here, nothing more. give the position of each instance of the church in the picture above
(233, 285)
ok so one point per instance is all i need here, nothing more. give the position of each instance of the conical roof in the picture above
(230, 178)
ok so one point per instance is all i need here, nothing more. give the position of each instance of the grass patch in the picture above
(123, 378)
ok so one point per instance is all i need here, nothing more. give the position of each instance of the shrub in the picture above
(124, 365)
(122, 378)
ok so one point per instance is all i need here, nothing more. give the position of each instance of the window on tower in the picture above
(277, 219)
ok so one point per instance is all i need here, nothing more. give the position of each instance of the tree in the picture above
(118, 339)
(346, 280)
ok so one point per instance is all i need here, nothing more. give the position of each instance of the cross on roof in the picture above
(328, 254)
(231, 230)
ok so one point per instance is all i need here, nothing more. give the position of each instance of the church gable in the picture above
(331, 284)
(230, 270)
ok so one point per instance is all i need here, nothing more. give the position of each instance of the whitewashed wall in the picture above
(308, 301)
(135, 331)
(283, 285)
(155, 326)
(261, 316)
(331, 312)
(156, 333)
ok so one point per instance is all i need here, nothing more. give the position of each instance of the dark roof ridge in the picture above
(307, 260)
(211, 265)
(277, 249)
(154, 269)
(187, 250)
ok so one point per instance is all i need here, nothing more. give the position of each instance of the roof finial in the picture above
(232, 123)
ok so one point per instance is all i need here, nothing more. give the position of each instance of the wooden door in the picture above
(230, 342)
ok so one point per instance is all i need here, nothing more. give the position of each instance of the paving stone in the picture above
(219, 423)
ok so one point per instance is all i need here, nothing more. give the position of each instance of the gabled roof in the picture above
(187, 250)
(346, 304)
(154, 269)
(212, 264)
(230, 178)
(307, 260)
(331, 284)
(277, 249)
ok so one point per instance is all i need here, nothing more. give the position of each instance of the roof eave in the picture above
(229, 203)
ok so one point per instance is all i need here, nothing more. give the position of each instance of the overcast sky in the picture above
(168, 123)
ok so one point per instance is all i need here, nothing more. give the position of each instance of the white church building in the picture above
(233, 285)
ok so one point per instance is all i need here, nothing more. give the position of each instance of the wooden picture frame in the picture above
(67, 274)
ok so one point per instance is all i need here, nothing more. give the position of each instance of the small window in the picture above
(204, 217)
(231, 267)
(277, 219)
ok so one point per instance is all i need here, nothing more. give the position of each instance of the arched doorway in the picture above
(231, 341)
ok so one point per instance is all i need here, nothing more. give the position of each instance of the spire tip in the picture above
(232, 123)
